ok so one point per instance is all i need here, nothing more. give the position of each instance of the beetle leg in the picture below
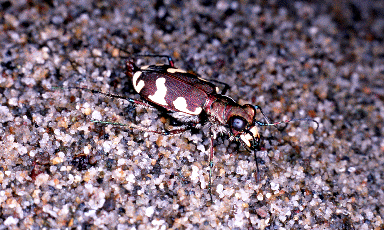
(165, 132)
(145, 129)
(210, 167)
(170, 61)
(257, 177)
(174, 131)
(226, 86)
(137, 102)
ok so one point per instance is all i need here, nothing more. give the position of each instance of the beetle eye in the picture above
(238, 123)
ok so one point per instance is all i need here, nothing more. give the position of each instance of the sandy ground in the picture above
(321, 61)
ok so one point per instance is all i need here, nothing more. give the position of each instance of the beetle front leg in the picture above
(210, 167)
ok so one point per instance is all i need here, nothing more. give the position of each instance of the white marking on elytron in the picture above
(135, 77)
(217, 89)
(161, 92)
(137, 85)
(181, 104)
(246, 137)
(175, 70)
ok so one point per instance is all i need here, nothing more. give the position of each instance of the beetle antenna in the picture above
(256, 107)
(268, 122)
(288, 121)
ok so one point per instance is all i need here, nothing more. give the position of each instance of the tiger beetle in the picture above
(196, 103)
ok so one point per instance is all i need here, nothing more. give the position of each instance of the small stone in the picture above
(57, 160)
(96, 115)
(149, 211)
(87, 111)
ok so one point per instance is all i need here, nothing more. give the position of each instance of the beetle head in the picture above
(243, 125)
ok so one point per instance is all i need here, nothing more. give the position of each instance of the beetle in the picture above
(190, 99)
(196, 103)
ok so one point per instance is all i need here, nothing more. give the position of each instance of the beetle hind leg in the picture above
(145, 129)
(171, 132)
(134, 101)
